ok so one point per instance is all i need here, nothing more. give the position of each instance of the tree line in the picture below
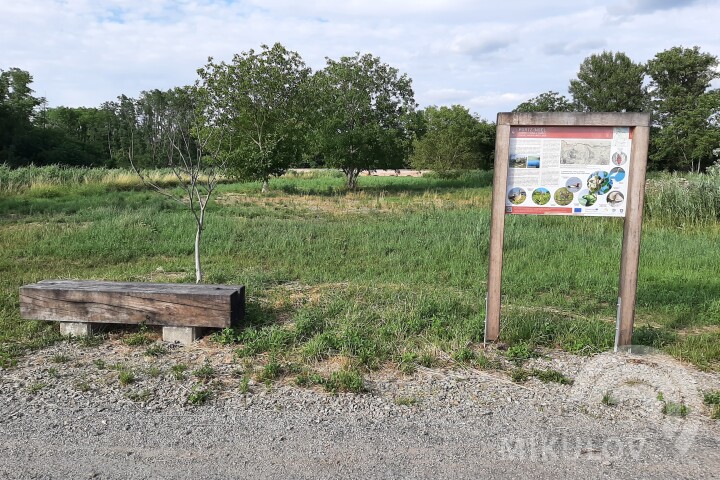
(674, 86)
(355, 114)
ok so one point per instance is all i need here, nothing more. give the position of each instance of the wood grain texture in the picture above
(632, 232)
(497, 232)
(216, 306)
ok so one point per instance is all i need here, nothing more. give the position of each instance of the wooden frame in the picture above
(640, 122)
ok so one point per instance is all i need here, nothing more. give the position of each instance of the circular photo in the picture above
(563, 196)
(541, 196)
(615, 198)
(599, 182)
(573, 184)
(588, 200)
(617, 174)
(619, 158)
(517, 196)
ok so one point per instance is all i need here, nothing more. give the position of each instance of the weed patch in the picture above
(553, 376)
(206, 372)
(178, 371)
(141, 396)
(608, 400)
(199, 395)
(406, 401)
(126, 377)
(156, 350)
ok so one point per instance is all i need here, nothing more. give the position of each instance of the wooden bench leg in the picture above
(76, 329)
(184, 335)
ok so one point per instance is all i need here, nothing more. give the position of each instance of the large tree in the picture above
(546, 102)
(260, 96)
(609, 82)
(363, 115)
(686, 113)
(18, 107)
(454, 139)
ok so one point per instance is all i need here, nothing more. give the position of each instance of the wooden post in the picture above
(497, 228)
(630, 257)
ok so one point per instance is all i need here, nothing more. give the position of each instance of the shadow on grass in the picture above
(690, 303)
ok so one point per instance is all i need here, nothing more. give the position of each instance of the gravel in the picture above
(64, 414)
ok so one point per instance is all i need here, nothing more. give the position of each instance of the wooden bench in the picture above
(182, 309)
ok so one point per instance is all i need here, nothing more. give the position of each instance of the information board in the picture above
(568, 170)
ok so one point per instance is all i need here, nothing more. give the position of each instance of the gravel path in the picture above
(64, 414)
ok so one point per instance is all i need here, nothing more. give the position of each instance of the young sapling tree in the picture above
(187, 136)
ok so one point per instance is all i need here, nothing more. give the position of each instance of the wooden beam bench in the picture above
(182, 309)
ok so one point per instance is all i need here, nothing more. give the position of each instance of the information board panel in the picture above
(568, 170)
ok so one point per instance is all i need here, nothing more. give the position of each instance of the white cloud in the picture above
(644, 7)
(84, 52)
(571, 48)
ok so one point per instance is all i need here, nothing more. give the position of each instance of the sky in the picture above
(486, 56)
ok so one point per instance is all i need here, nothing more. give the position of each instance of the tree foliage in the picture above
(356, 114)
(363, 115)
(18, 108)
(609, 82)
(546, 102)
(686, 113)
(261, 96)
(453, 140)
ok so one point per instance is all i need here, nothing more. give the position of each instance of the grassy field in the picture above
(391, 275)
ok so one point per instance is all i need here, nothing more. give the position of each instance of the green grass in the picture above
(126, 377)
(138, 339)
(156, 350)
(712, 397)
(551, 376)
(609, 400)
(178, 371)
(205, 373)
(382, 276)
(199, 395)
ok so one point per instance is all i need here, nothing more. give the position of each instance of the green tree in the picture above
(18, 108)
(363, 115)
(686, 113)
(609, 82)
(261, 98)
(85, 131)
(122, 130)
(546, 102)
(453, 140)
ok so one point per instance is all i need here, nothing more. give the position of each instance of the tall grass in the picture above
(49, 177)
(688, 200)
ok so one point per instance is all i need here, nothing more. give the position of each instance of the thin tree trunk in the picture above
(198, 237)
(265, 186)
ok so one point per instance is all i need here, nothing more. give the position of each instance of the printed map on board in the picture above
(584, 152)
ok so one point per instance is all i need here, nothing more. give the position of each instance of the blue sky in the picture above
(487, 57)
